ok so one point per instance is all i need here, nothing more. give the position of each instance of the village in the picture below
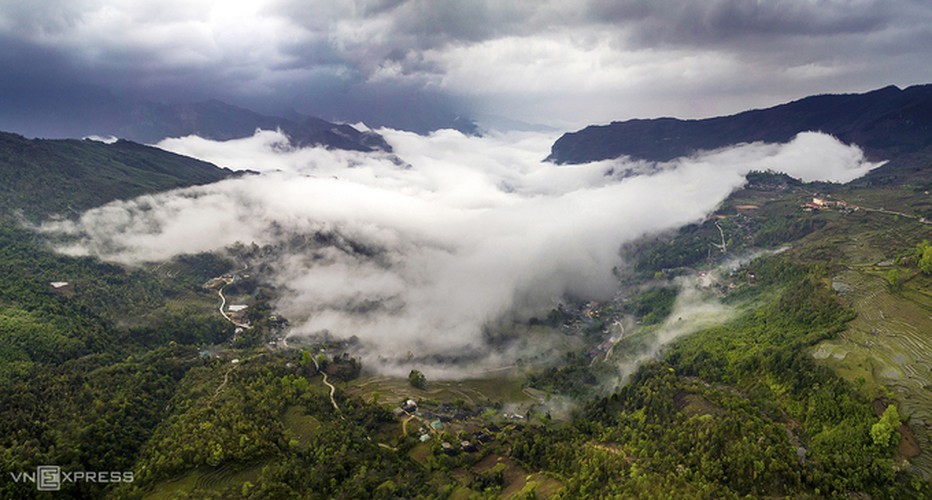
(458, 429)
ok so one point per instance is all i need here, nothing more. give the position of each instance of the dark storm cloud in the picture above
(564, 62)
(727, 20)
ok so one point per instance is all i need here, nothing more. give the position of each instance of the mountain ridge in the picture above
(885, 122)
(217, 120)
(101, 113)
(44, 177)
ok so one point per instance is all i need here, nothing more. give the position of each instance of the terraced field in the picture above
(473, 391)
(887, 349)
(205, 479)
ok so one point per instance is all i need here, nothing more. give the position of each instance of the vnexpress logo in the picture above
(51, 477)
(48, 478)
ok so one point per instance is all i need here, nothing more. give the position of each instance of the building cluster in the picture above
(436, 421)
(821, 203)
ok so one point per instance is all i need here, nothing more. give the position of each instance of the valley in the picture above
(466, 250)
(756, 351)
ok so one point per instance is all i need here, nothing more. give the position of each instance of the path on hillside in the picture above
(226, 377)
(223, 300)
(328, 384)
(916, 218)
(223, 303)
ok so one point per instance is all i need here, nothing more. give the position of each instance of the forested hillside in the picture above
(43, 177)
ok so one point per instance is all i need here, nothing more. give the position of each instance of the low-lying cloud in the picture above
(424, 256)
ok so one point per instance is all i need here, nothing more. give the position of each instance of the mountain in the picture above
(95, 111)
(886, 122)
(150, 122)
(48, 176)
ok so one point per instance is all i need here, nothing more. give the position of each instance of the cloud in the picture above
(431, 257)
(697, 307)
(564, 63)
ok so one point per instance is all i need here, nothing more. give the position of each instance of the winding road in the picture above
(223, 300)
(223, 303)
(328, 384)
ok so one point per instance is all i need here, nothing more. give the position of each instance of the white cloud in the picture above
(475, 231)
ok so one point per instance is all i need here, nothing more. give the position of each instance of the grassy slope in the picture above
(44, 177)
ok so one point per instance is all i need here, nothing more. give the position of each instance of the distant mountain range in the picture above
(151, 122)
(886, 123)
(103, 114)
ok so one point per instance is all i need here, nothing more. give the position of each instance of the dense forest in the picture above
(42, 177)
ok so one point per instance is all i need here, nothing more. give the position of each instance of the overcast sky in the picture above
(565, 63)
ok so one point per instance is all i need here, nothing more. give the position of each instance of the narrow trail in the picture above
(404, 424)
(226, 377)
(328, 384)
(721, 247)
(894, 212)
(223, 300)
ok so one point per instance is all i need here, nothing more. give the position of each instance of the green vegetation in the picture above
(134, 370)
(924, 257)
(735, 410)
(883, 431)
(41, 177)
(653, 306)
(417, 379)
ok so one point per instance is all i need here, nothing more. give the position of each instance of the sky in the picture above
(466, 239)
(560, 63)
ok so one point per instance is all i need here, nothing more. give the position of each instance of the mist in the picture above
(697, 307)
(430, 248)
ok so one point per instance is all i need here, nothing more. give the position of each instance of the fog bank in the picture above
(424, 255)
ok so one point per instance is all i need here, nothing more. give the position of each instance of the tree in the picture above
(895, 279)
(924, 257)
(882, 431)
(417, 379)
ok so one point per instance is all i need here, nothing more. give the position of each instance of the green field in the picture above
(886, 350)
(205, 479)
(481, 391)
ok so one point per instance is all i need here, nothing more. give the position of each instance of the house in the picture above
(483, 437)
(409, 406)
(214, 283)
(59, 284)
(468, 447)
(448, 448)
(237, 312)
